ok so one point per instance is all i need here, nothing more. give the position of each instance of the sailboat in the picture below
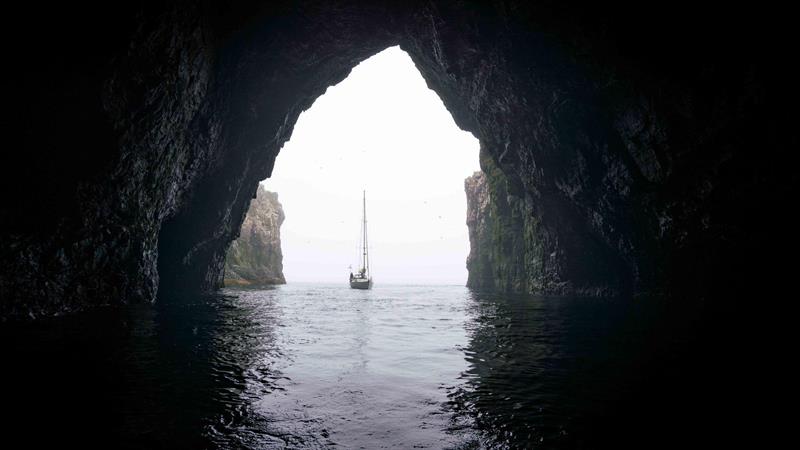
(362, 278)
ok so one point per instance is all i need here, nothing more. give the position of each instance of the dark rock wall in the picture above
(645, 139)
(255, 256)
(105, 111)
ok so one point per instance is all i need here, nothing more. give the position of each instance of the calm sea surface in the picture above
(320, 366)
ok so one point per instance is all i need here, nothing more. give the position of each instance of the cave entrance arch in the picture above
(650, 148)
(529, 111)
(380, 129)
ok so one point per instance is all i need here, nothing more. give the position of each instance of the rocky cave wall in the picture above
(255, 257)
(510, 250)
(642, 138)
(505, 252)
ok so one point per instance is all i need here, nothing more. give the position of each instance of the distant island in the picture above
(255, 257)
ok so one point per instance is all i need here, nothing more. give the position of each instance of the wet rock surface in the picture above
(255, 257)
(646, 156)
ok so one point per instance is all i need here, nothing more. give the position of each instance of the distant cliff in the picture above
(255, 257)
(504, 255)
(509, 249)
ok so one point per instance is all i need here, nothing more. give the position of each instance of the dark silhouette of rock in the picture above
(645, 141)
(255, 257)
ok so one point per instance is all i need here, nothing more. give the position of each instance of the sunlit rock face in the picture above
(255, 257)
(637, 142)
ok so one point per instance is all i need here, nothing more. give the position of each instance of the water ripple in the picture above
(314, 366)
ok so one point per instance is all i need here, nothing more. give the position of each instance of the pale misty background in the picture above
(383, 130)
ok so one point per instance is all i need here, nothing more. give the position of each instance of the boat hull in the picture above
(361, 284)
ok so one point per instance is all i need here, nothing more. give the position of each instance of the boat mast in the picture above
(365, 261)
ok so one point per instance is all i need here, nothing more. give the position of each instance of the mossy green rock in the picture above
(510, 250)
(255, 257)
(505, 254)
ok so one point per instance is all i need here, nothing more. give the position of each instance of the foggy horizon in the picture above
(384, 131)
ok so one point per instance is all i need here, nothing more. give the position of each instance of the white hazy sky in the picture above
(382, 130)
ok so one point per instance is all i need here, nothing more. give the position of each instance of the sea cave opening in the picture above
(643, 169)
(383, 131)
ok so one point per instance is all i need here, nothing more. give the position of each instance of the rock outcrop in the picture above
(646, 143)
(505, 249)
(255, 257)
(480, 273)
(510, 251)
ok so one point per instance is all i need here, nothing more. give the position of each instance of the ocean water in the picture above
(324, 366)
